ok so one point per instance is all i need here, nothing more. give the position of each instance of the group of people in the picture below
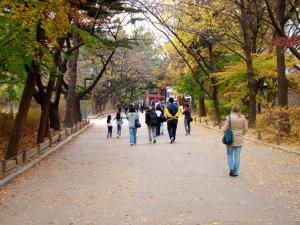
(156, 115)
(138, 107)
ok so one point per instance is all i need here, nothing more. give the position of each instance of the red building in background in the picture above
(154, 95)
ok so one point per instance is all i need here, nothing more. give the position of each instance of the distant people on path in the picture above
(109, 126)
(126, 108)
(160, 104)
(142, 107)
(239, 127)
(172, 114)
(119, 121)
(161, 117)
(132, 116)
(187, 112)
(152, 122)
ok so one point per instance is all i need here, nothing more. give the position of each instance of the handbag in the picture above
(228, 136)
(190, 119)
(137, 123)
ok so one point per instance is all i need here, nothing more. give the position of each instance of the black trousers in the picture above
(109, 131)
(172, 127)
(158, 130)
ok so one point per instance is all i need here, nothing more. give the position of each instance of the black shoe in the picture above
(154, 141)
(231, 173)
(235, 175)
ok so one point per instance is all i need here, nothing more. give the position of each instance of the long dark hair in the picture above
(108, 118)
(118, 116)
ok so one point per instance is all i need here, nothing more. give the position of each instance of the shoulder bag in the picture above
(228, 136)
(137, 123)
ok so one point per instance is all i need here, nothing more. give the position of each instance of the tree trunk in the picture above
(216, 103)
(193, 103)
(44, 120)
(78, 111)
(54, 117)
(71, 105)
(252, 89)
(280, 53)
(247, 38)
(202, 107)
(33, 72)
(281, 76)
(214, 85)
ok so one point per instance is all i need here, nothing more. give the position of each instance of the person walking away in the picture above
(151, 120)
(187, 119)
(126, 108)
(239, 127)
(132, 116)
(163, 120)
(119, 121)
(172, 114)
(160, 115)
(109, 126)
(142, 107)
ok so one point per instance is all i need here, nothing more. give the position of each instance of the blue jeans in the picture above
(119, 129)
(233, 157)
(132, 134)
(187, 126)
(162, 128)
(172, 126)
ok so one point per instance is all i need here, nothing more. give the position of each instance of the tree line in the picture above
(42, 43)
(208, 40)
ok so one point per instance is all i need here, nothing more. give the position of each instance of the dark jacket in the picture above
(148, 118)
(172, 112)
(187, 113)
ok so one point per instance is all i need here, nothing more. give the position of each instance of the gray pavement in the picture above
(94, 180)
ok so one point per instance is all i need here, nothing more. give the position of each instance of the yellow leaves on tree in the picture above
(53, 15)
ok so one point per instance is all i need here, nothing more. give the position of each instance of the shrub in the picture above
(278, 121)
(7, 122)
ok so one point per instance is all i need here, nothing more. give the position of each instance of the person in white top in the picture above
(109, 126)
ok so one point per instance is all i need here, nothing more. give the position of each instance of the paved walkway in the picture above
(95, 180)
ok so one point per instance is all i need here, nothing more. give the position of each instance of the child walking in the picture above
(119, 119)
(109, 126)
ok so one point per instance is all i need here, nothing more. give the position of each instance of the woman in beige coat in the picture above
(239, 127)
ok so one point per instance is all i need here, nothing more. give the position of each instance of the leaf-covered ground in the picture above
(28, 141)
(95, 180)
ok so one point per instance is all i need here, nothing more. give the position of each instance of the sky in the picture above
(159, 37)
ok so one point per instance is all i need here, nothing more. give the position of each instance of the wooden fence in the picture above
(8, 166)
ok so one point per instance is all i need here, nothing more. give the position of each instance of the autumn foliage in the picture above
(271, 121)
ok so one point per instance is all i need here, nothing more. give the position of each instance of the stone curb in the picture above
(258, 141)
(28, 166)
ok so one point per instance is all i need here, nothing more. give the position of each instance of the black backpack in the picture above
(153, 119)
